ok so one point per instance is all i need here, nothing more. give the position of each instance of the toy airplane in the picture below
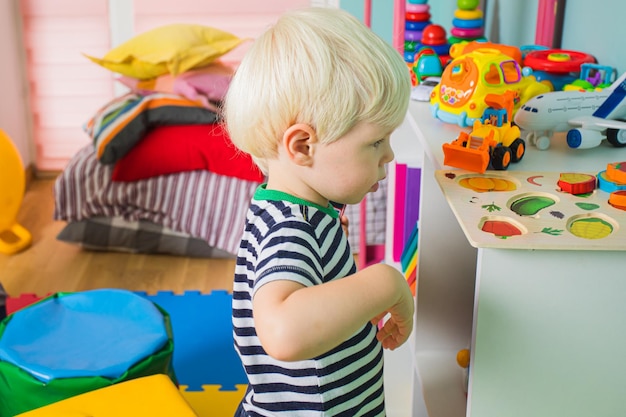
(588, 117)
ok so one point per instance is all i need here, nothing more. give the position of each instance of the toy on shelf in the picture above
(613, 181)
(434, 36)
(422, 91)
(593, 77)
(522, 210)
(461, 48)
(526, 49)
(494, 140)
(617, 171)
(588, 117)
(417, 17)
(556, 66)
(468, 23)
(426, 48)
(617, 199)
(576, 183)
(427, 64)
(460, 97)
(613, 178)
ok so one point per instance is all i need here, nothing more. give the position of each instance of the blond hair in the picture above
(317, 66)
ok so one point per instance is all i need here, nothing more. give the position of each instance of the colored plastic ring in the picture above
(417, 17)
(417, 1)
(417, 8)
(468, 23)
(467, 4)
(409, 57)
(557, 60)
(453, 39)
(466, 33)
(410, 46)
(410, 25)
(468, 14)
(413, 35)
(441, 49)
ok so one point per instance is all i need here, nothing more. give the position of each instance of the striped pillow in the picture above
(123, 122)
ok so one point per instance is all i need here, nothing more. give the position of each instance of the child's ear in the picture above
(299, 143)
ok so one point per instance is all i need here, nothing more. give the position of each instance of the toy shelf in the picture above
(477, 290)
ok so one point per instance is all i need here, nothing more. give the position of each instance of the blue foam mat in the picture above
(203, 340)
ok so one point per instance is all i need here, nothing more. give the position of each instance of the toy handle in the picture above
(14, 239)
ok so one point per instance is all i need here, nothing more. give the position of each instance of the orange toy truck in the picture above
(493, 140)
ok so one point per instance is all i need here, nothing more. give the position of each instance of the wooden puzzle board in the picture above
(528, 210)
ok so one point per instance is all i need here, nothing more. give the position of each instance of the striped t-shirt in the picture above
(286, 238)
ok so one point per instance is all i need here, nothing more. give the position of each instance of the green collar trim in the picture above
(262, 193)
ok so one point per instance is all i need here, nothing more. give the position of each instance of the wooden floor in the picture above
(49, 265)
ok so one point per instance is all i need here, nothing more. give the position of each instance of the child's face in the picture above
(347, 169)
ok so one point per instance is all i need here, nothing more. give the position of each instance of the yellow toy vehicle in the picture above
(460, 96)
(493, 139)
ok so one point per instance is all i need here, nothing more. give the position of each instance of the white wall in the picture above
(14, 114)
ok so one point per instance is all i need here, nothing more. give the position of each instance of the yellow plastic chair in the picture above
(13, 237)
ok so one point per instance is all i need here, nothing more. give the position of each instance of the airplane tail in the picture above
(614, 107)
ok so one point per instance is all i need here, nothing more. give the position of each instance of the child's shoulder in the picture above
(275, 212)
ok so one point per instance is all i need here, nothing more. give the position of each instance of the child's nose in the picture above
(388, 155)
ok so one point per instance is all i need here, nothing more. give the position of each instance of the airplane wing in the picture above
(596, 123)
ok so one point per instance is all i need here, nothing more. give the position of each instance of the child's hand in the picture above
(344, 223)
(398, 327)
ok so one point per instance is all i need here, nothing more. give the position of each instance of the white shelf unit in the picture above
(458, 283)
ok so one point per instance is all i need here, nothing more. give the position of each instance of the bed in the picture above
(192, 213)
(159, 174)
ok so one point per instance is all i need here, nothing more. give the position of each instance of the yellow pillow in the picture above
(171, 49)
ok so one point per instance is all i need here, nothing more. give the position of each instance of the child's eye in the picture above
(378, 143)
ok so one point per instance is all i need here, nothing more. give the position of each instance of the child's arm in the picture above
(296, 323)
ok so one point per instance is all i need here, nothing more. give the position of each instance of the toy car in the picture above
(460, 96)
(494, 140)
(423, 90)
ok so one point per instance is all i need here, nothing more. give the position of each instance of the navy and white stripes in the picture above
(288, 239)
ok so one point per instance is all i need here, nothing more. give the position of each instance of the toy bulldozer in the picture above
(493, 140)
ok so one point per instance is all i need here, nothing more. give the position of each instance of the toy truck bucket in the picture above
(468, 152)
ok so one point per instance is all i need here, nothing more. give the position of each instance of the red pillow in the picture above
(176, 148)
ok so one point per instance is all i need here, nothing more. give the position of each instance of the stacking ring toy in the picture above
(466, 33)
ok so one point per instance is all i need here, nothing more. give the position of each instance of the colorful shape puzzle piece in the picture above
(576, 183)
(203, 341)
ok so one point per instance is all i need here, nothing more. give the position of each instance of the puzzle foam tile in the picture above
(204, 353)
(17, 303)
(213, 402)
(151, 396)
